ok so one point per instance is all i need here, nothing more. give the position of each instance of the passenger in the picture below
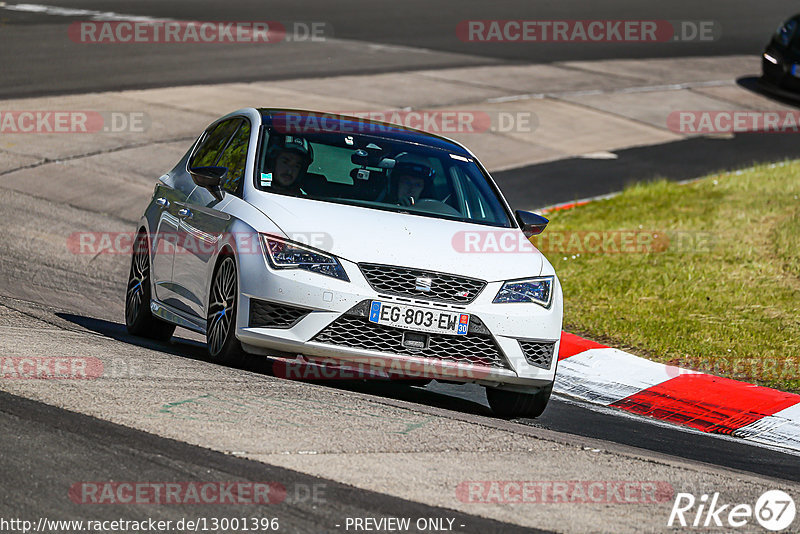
(288, 160)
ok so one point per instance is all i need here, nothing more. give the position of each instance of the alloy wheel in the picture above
(138, 280)
(221, 311)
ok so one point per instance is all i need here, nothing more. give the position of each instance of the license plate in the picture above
(796, 70)
(419, 319)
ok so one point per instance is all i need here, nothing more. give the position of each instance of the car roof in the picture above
(343, 123)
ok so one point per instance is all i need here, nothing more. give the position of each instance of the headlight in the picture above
(538, 290)
(770, 59)
(283, 254)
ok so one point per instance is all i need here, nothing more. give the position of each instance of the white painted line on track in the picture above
(74, 12)
(602, 154)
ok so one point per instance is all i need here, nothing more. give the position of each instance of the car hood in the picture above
(373, 236)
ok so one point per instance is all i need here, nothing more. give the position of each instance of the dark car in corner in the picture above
(780, 62)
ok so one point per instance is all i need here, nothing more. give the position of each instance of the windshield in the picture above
(378, 173)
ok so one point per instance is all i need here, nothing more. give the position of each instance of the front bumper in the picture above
(326, 319)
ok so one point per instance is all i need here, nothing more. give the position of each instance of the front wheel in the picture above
(138, 319)
(513, 404)
(223, 347)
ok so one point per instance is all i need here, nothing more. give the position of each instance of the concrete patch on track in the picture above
(548, 79)
(734, 93)
(657, 71)
(10, 160)
(36, 263)
(118, 177)
(650, 107)
(270, 411)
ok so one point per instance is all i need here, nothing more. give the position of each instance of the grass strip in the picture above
(704, 275)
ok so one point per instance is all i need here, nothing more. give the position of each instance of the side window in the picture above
(787, 31)
(234, 158)
(213, 144)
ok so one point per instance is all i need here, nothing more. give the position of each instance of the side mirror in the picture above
(531, 223)
(210, 178)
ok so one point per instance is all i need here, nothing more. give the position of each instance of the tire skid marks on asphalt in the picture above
(605, 375)
(276, 412)
(708, 403)
(781, 427)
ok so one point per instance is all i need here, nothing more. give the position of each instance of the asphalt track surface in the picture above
(64, 447)
(566, 180)
(37, 59)
(560, 416)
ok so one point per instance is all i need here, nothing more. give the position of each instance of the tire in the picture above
(138, 319)
(223, 347)
(509, 404)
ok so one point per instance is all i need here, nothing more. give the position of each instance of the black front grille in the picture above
(274, 315)
(403, 281)
(538, 353)
(357, 332)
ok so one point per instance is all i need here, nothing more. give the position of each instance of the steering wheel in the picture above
(434, 206)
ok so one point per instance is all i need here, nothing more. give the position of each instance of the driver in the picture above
(411, 181)
(288, 159)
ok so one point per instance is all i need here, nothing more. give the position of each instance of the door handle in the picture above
(185, 213)
(163, 202)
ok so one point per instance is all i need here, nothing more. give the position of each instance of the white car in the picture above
(351, 245)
